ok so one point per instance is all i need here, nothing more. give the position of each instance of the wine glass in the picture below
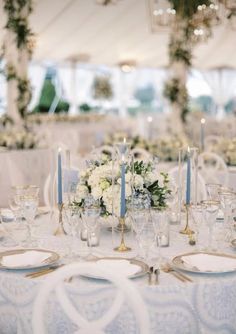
(160, 221)
(28, 201)
(227, 198)
(90, 215)
(197, 212)
(146, 237)
(213, 191)
(72, 218)
(211, 209)
(138, 219)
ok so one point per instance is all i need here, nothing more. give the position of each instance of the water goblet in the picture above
(138, 219)
(213, 191)
(90, 217)
(196, 213)
(147, 238)
(227, 198)
(29, 206)
(72, 218)
(211, 209)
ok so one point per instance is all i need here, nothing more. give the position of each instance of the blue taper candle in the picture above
(122, 191)
(202, 139)
(188, 181)
(59, 178)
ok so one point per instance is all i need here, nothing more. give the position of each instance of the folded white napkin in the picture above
(207, 262)
(7, 215)
(124, 267)
(28, 258)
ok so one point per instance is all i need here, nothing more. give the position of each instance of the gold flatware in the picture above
(168, 269)
(42, 272)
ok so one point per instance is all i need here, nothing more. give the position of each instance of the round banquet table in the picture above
(207, 305)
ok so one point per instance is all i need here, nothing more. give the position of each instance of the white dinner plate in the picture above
(28, 258)
(131, 268)
(205, 262)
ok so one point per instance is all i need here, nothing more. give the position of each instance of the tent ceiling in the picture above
(115, 33)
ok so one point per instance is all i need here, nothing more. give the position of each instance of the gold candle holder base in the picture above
(187, 229)
(122, 247)
(60, 230)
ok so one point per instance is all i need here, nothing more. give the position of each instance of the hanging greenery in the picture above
(102, 88)
(17, 22)
(182, 40)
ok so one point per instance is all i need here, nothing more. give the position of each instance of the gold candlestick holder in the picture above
(122, 247)
(60, 229)
(187, 229)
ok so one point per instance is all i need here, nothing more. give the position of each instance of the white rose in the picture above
(138, 181)
(96, 192)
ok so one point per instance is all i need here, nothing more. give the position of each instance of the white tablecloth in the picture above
(205, 306)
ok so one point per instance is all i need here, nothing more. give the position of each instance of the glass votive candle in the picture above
(93, 239)
(84, 234)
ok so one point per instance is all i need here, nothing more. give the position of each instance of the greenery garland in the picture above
(18, 23)
(181, 44)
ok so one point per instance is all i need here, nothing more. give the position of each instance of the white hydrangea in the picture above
(81, 192)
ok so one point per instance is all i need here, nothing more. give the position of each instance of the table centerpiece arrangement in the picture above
(102, 179)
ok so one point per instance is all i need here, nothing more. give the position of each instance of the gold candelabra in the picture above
(187, 229)
(60, 229)
(122, 247)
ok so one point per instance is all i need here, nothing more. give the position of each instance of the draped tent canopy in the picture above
(88, 32)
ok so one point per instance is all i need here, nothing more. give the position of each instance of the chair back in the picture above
(213, 168)
(125, 288)
(141, 154)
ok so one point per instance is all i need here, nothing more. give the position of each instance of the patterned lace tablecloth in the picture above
(205, 306)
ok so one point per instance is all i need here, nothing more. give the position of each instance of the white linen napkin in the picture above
(208, 262)
(123, 267)
(28, 258)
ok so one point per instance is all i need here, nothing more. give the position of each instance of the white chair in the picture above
(201, 188)
(211, 141)
(102, 150)
(56, 282)
(141, 154)
(213, 168)
(50, 189)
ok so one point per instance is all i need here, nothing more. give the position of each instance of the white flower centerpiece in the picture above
(102, 180)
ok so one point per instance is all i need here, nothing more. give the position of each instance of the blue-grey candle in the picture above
(122, 191)
(202, 139)
(59, 178)
(188, 181)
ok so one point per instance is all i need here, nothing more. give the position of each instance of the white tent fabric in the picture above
(114, 33)
(36, 76)
(222, 82)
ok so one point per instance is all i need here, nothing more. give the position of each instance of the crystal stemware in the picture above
(210, 213)
(138, 219)
(227, 198)
(90, 217)
(146, 238)
(72, 218)
(197, 213)
(29, 205)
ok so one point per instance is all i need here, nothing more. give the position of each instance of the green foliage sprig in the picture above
(17, 21)
(102, 88)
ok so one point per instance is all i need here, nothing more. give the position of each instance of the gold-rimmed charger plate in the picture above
(143, 267)
(52, 258)
(178, 263)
